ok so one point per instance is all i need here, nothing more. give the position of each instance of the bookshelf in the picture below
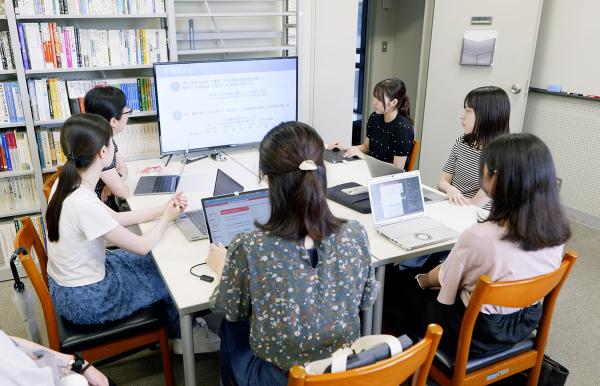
(21, 76)
(230, 29)
(222, 29)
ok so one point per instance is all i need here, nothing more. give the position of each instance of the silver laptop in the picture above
(192, 223)
(398, 211)
(378, 168)
(159, 184)
(228, 215)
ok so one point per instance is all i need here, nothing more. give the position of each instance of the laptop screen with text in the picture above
(226, 216)
(393, 198)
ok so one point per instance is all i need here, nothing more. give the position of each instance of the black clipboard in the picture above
(357, 202)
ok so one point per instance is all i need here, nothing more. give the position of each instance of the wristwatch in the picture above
(76, 364)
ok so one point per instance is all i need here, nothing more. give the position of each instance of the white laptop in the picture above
(398, 211)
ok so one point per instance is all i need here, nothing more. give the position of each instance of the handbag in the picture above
(552, 373)
(364, 351)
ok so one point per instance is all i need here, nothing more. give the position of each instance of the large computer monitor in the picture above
(215, 104)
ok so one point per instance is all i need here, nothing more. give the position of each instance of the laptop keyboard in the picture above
(336, 156)
(396, 230)
(197, 218)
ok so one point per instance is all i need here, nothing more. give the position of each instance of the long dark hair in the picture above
(106, 101)
(298, 198)
(394, 88)
(492, 115)
(81, 138)
(525, 194)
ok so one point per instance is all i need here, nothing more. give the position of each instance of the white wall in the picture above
(326, 51)
(407, 46)
(567, 51)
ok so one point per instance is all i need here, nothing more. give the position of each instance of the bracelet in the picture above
(85, 368)
(418, 282)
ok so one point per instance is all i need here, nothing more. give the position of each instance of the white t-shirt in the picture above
(17, 368)
(78, 258)
(480, 250)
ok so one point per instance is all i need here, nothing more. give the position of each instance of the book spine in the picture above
(13, 151)
(8, 94)
(6, 153)
(23, 46)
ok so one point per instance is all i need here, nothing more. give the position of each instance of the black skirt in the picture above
(409, 309)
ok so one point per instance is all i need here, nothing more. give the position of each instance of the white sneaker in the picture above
(204, 339)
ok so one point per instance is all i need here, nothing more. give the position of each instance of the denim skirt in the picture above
(132, 282)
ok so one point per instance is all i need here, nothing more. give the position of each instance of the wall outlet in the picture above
(384, 46)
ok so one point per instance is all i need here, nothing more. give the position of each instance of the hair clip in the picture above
(72, 157)
(308, 165)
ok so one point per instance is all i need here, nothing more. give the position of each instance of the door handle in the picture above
(515, 88)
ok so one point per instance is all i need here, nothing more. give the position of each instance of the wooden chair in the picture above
(145, 327)
(50, 181)
(392, 371)
(524, 355)
(414, 153)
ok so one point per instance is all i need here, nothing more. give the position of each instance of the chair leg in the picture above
(166, 357)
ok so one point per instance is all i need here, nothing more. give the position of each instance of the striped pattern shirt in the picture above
(463, 165)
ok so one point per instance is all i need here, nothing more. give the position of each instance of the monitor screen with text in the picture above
(216, 104)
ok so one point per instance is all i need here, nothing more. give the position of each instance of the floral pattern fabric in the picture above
(297, 313)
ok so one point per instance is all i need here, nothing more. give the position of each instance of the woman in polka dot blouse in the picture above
(390, 133)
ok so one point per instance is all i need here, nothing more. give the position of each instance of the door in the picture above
(516, 23)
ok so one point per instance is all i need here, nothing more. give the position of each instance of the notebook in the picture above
(192, 223)
(228, 215)
(398, 209)
(159, 184)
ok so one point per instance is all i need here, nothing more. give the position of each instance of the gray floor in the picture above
(572, 342)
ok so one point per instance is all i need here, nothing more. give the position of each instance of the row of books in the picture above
(8, 232)
(18, 193)
(6, 53)
(53, 98)
(14, 152)
(139, 140)
(48, 46)
(88, 7)
(139, 92)
(136, 141)
(49, 149)
(11, 106)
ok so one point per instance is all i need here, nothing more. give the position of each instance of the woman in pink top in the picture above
(522, 237)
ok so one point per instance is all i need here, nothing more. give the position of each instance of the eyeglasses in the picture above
(128, 112)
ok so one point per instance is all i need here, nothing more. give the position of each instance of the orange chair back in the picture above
(516, 294)
(414, 153)
(28, 238)
(50, 182)
(387, 372)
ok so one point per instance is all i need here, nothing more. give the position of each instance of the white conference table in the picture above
(175, 255)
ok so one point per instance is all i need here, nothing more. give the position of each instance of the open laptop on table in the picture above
(159, 184)
(192, 223)
(378, 168)
(228, 215)
(398, 211)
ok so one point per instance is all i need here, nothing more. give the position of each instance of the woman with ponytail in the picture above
(390, 133)
(291, 291)
(89, 285)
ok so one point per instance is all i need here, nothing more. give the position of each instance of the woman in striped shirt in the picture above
(485, 116)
